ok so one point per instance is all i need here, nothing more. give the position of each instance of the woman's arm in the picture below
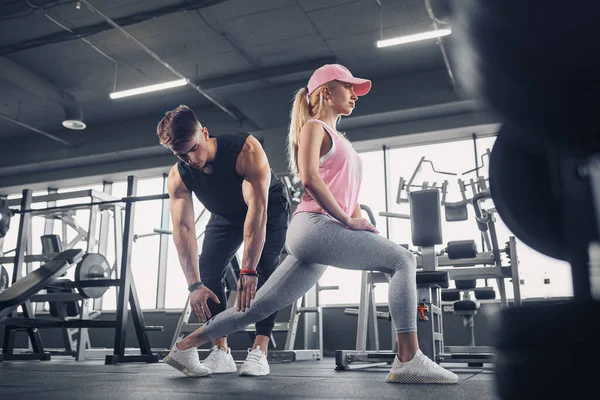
(309, 152)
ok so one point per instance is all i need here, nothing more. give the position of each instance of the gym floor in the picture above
(68, 379)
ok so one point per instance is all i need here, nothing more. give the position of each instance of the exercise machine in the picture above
(429, 282)
(461, 259)
(459, 262)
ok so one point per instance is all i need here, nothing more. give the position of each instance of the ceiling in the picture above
(244, 60)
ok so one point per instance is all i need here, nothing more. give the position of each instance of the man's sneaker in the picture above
(187, 362)
(220, 361)
(256, 363)
(419, 370)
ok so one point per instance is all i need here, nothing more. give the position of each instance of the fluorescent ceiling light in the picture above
(414, 38)
(147, 89)
(74, 124)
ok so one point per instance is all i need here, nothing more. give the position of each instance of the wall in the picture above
(339, 330)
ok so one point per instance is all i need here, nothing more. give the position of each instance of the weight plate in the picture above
(93, 266)
(5, 216)
(508, 54)
(521, 188)
(542, 349)
(3, 279)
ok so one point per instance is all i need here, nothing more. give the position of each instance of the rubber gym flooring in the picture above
(68, 379)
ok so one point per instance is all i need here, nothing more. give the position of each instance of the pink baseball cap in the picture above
(333, 72)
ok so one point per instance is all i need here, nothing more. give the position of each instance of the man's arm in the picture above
(254, 167)
(184, 236)
(184, 229)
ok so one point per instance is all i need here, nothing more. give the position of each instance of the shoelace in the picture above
(213, 354)
(254, 357)
(429, 364)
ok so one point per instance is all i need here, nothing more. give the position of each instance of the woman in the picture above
(327, 229)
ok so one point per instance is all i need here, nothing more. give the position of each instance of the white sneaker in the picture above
(419, 370)
(256, 364)
(220, 361)
(186, 361)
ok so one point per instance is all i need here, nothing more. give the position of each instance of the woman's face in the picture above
(342, 98)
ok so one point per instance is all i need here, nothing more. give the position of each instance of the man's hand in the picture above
(246, 290)
(198, 302)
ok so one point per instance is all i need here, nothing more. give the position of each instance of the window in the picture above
(144, 258)
(458, 157)
(144, 252)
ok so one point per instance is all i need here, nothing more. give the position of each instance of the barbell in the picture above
(6, 212)
(533, 62)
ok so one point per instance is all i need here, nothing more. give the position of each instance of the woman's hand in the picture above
(361, 224)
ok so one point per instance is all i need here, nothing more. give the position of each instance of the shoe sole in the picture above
(253, 374)
(216, 371)
(182, 368)
(393, 378)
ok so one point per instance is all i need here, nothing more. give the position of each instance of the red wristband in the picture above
(248, 272)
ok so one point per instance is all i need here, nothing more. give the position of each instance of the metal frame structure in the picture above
(430, 329)
(124, 283)
(430, 332)
(77, 342)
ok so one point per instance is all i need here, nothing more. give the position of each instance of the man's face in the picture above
(193, 152)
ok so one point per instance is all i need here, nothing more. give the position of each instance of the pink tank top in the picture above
(341, 170)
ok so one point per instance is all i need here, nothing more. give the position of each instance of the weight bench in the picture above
(32, 283)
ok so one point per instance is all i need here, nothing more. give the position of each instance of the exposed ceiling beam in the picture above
(42, 88)
(36, 130)
(84, 31)
(236, 114)
(298, 71)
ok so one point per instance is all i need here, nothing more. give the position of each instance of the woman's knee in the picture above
(406, 260)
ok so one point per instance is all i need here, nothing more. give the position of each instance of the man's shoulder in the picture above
(238, 137)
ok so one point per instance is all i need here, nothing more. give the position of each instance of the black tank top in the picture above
(221, 191)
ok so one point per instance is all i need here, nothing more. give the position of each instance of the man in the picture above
(231, 177)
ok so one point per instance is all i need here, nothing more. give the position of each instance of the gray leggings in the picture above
(315, 241)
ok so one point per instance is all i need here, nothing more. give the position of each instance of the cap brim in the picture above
(361, 86)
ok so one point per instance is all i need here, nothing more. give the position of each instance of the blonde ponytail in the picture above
(298, 117)
(303, 109)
